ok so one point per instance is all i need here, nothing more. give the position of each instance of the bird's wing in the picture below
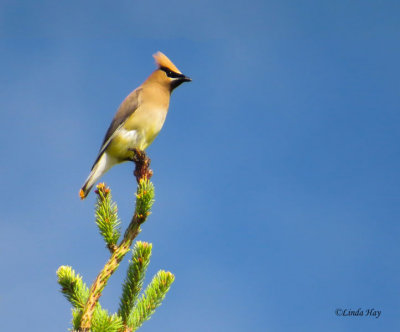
(127, 108)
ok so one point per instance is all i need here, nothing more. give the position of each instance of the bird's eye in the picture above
(169, 72)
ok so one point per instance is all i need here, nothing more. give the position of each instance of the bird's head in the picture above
(168, 72)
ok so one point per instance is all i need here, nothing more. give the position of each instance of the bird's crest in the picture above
(163, 61)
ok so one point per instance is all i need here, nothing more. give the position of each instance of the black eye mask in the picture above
(171, 73)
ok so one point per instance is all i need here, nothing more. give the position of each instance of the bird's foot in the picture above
(142, 165)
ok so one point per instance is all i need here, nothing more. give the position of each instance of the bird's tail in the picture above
(103, 164)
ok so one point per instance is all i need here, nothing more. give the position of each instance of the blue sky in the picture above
(276, 173)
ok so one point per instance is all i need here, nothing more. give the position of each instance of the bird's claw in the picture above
(142, 165)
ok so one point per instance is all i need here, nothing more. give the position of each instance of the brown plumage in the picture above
(138, 120)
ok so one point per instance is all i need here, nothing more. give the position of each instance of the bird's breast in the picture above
(148, 121)
(139, 131)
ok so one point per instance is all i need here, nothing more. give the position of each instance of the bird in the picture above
(137, 121)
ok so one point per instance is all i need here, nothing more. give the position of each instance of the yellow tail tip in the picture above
(81, 194)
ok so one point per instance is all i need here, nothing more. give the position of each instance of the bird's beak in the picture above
(179, 80)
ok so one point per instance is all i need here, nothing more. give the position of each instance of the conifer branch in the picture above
(152, 298)
(144, 202)
(106, 217)
(87, 314)
(103, 321)
(77, 293)
(134, 278)
(76, 319)
(72, 286)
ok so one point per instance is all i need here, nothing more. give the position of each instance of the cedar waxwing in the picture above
(138, 120)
